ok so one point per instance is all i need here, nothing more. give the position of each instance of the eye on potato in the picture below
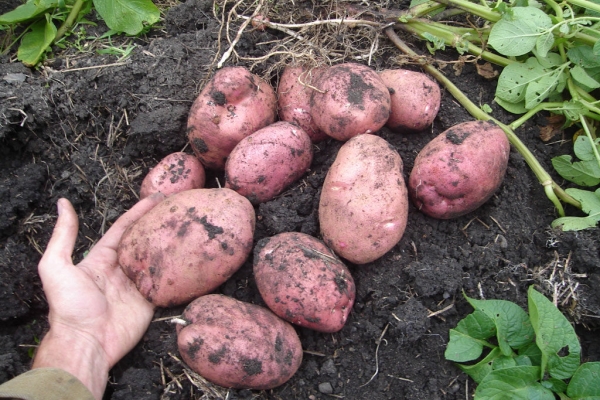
(173, 174)
(263, 164)
(459, 170)
(415, 99)
(351, 100)
(187, 245)
(234, 104)
(293, 99)
(238, 345)
(303, 281)
(363, 209)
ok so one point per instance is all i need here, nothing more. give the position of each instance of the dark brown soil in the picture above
(90, 135)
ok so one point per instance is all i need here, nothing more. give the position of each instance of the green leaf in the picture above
(504, 362)
(515, 108)
(27, 11)
(514, 79)
(462, 347)
(569, 224)
(478, 325)
(513, 383)
(539, 90)
(584, 56)
(590, 201)
(544, 43)
(556, 385)
(583, 173)
(581, 76)
(532, 352)
(585, 383)
(554, 336)
(36, 42)
(127, 15)
(513, 329)
(480, 370)
(583, 148)
(551, 60)
(517, 32)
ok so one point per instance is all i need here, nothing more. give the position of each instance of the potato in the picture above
(302, 281)
(415, 97)
(293, 99)
(188, 245)
(234, 104)
(351, 100)
(173, 174)
(262, 165)
(238, 345)
(363, 207)
(459, 170)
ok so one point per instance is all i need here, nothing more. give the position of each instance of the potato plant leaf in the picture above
(514, 79)
(520, 382)
(468, 339)
(36, 41)
(583, 173)
(127, 15)
(590, 204)
(583, 148)
(517, 32)
(27, 11)
(513, 329)
(480, 370)
(582, 77)
(554, 336)
(585, 383)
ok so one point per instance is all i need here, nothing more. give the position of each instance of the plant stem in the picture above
(588, 133)
(550, 187)
(585, 4)
(542, 106)
(475, 9)
(70, 20)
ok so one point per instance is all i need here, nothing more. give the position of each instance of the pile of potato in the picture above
(192, 242)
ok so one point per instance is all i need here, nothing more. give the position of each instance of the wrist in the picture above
(76, 353)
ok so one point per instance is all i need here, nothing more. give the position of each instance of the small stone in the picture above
(325, 388)
(328, 368)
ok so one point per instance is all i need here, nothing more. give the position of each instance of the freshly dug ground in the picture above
(88, 133)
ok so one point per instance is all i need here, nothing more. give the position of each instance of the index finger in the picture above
(113, 236)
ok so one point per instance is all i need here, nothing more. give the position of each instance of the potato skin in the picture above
(416, 99)
(234, 104)
(263, 164)
(302, 281)
(363, 208)
(293, 99)
(352, 100)
(238, 345)
(459, 170)
(173, 174)
(187, 245)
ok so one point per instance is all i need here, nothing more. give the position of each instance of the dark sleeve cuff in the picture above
(46, 384)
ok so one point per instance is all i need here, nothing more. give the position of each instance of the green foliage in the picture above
(42, 16)
(531, 356)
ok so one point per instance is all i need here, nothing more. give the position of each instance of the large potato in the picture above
(363, 208)
(293, 99)
(234, 104)
(459, 170)
(351, 100)
(415, 97)
(188, 245)
(173, 174)
(236, 344)
(302, 281)
(262, 165)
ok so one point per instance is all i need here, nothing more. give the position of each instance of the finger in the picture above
(113, 236)
(61, 244)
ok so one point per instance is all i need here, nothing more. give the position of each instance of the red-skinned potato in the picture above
(238, 345)
(188, 245)
(363, 208)
(263, 164)
(303, 281)
(293, 99)
(351, 100)
(415, 97)
(234, 104)
(459, 170)
(173, 174)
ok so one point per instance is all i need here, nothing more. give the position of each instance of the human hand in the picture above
(96, 313)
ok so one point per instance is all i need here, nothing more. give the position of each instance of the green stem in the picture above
(588, 133)
(542, 106)
(419, 28)
(585, 4)
(70, 20)
(550, 187)
(556, 8)
(475, 9)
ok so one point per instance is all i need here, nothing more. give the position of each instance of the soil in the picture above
(91, 134)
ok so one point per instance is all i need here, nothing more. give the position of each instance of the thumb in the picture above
(61, 244)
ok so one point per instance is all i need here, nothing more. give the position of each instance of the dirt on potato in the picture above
(88, 127)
